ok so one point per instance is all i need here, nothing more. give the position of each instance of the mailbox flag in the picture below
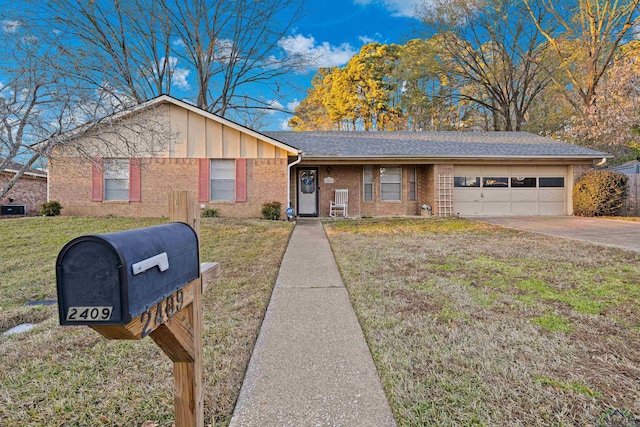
(96, 180)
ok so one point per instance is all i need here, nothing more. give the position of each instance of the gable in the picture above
(199, 136)
(166, 127)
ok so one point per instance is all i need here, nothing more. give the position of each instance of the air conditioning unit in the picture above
(13, 209)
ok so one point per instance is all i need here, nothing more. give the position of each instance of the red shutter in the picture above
(96, 180)
(135, 181)
(203, 180)
(241, 180)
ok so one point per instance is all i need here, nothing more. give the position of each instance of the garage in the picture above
(509, 190)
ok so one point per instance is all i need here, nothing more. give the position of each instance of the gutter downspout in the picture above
(292, 164)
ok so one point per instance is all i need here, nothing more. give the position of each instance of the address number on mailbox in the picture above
(81, 314)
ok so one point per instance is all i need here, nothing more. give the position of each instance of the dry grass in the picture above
(71, 376)
(623, 218)
(472, 324)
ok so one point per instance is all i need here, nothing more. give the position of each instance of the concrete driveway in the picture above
(621, 234)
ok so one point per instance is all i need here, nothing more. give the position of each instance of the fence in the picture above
(632, 205)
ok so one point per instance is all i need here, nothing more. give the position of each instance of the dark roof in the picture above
(14, 167)
(431, 144)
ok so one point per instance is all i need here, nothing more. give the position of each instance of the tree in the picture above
(491, 46)
(428, 89)
(362, 94)
(122, 47)
(613, 120)
(42, 108)
(596, 29)
(371, 73)
(311, 113)
(143, 49)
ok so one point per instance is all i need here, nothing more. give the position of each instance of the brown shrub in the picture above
(599, 193)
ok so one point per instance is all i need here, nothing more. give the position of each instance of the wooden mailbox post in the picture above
(174, 322)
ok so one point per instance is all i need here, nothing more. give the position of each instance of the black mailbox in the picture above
(109, 279)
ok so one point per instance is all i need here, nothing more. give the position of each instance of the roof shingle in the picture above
(431, 144)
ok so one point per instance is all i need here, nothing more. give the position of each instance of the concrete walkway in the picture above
(609, 232)
(311, 365)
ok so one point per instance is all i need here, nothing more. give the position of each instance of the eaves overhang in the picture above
(341, 158)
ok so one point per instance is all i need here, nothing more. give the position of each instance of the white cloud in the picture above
(316, 56)
(274, 107)
(178, 75)
(368, 39)
(179, 78)
(291, 106)
(284, 124)
(178, 43)
(9, 25)
(173, 61)
(404, 8)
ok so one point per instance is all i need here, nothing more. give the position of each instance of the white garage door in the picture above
(510, 190)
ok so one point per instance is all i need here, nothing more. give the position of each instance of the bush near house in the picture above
(271, 210)
(599, 193)
(209, 213)
(51, 208)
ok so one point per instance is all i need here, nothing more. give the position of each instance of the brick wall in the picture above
(266, 182)
(70, 184)
(351, 178)
(28, 190)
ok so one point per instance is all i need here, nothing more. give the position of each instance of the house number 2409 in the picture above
(164, 311)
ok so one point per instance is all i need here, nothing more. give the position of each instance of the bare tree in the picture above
(584, 36)
(122, 47)
(234, 46)
(495, 52)
(144, 49)
(43, 110)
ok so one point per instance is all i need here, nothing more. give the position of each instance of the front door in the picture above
(307, 191)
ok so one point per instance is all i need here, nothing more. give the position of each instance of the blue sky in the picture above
(334, 30)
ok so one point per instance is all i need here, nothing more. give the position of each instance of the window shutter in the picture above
(135, 182)
(203, 180)
(97, 180)
(241, 180)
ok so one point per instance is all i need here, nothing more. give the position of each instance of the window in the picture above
(552, 182)
(466, 181)
(390, 183)
(522, 182)
(492, 182)
(368, 183)
(116, 179)
(223, 180)
(412, 183)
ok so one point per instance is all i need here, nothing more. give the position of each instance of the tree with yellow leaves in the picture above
(596, 28)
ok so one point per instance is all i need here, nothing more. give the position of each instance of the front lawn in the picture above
(473, 324)
(72, 376)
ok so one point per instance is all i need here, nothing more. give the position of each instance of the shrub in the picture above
(209, 213)
(271, 210)
(599, 193)
(51, 208)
